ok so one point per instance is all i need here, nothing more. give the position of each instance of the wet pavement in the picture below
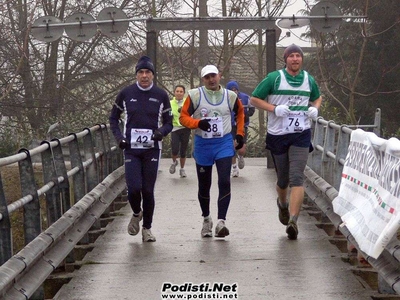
(256, 261)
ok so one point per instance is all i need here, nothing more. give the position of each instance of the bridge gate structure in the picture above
(23, 274)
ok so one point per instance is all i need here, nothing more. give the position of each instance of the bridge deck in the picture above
(257, 255)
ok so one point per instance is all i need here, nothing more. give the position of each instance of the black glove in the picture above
(123, 144)
(204, 124)
(157, 135)
(239, 141)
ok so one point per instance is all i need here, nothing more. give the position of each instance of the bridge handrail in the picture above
(84, 158)
(88, 159)
(323, 177)
(24, 273)
(47, 249)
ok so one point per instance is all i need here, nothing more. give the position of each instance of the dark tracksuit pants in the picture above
(141, 167)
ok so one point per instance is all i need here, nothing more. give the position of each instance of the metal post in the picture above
(64, 196)
(203, 37)
(377, 122)
(341, 152)
(5, 228)
(100, 147)
(315, 161)
(329, 146)
(92, 175)
(107, 148)
(76, 162)
(115, 155)
(270, 45)
(151, 43)
(32, 222)
(53, 203)
(61, 170)
(97, 167)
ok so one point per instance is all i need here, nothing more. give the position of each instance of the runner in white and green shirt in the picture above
(292, 98)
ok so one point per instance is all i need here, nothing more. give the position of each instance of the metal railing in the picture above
(82, 175)
(323, 176)
(92, 168)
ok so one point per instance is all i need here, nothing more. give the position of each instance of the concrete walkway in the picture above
(256, 261)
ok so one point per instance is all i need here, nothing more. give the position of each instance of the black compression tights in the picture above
(204, 174)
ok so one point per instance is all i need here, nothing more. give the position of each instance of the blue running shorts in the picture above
(207, 151)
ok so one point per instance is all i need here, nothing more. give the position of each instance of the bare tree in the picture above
(357, 63)
(64, 80)
(74, 83)
(228, 49)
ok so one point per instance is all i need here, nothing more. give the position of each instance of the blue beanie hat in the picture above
(232, 84)
(144, 63)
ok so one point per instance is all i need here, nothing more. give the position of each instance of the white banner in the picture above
(368, 199)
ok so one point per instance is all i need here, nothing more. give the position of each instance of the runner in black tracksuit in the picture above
(147, 119)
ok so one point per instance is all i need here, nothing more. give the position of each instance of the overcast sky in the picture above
(293, 8)
(290, 10)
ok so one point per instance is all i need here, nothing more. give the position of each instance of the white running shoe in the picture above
(221, 230)
(206, 231)
(182, 173)
(133, 226)
(235, 172)
(172, 168)
(147, 236)
(240, 161)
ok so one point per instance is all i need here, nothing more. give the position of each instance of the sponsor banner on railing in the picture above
(368, 199)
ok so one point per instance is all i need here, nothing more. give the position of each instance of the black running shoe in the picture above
(292, 231)
(284, 215)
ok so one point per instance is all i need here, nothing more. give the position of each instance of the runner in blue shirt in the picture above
(248, 112)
